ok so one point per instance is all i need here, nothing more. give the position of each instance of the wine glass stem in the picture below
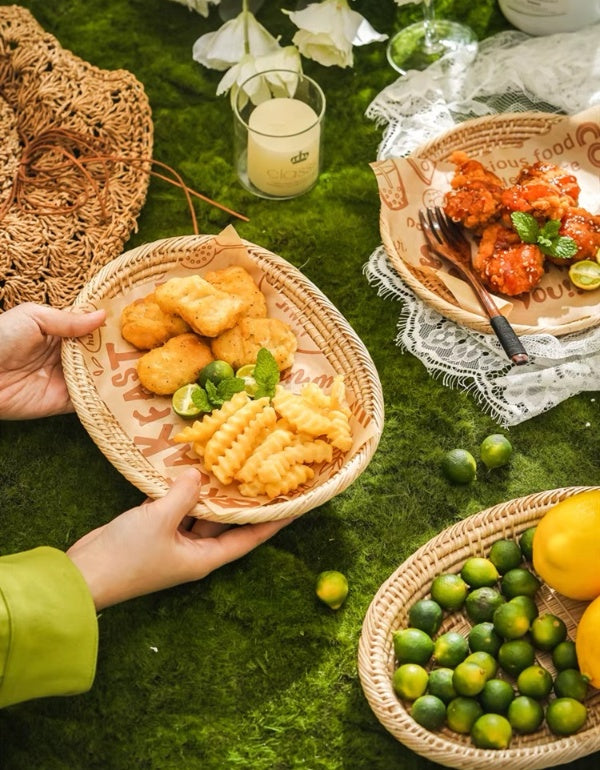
(431, 44)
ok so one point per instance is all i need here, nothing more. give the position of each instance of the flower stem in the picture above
(246, 38)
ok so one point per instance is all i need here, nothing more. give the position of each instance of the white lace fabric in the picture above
(511, 73)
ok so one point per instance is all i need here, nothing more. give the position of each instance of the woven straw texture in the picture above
(318, 318)
(477, 136)
(389, 611)
(45, 92)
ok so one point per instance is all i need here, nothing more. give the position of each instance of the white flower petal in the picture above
(366, 34)
(320, 49)
(201, 6)
(225, 47)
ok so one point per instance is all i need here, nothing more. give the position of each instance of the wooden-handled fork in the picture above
(445, 239)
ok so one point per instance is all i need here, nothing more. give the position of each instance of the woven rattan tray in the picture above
(53, 100)
(475, 137)
(389, 611)
(314, 317)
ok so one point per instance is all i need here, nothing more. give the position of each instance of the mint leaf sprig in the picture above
(546, 238)
(266, 374)
(214, 396)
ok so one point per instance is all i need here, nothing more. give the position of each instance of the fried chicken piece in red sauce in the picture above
(476, 195)
(543, 190)
(505, 264)
(584, 229)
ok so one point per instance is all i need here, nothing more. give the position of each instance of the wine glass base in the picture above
(407, 50)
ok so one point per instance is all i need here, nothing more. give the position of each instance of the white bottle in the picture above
(545, 17)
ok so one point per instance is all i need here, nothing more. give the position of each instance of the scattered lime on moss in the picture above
(547, 631)
(481, 603)
(215, 371)
(528, 606)
(525, 714)
(515, 655)
(505, 555)
(526, 543)
(491, 731)
(411, 645)
(427, 615)
(483, 638)
(429, 711)
(571, 683)
(332, 588)
(564, 655)
(487, 662)
(410, 681)
(183, 402)
(535, 681)
(449, 591)
(519, 582)
(510, 621)
(469, 678)
(462, 713)
(495, 451)
(479, 572)
(450, 649)
(440, 684)
(565, 716)
(496, 696)
(459, 466)
(246, 373)
(585, 274)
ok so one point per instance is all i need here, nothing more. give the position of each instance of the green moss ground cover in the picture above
(246, 669)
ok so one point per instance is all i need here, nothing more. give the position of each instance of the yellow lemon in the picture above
(587, 643)
(566, 544)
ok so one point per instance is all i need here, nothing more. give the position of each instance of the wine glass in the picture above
(417, 46)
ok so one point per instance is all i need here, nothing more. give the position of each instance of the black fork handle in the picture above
(507, 337)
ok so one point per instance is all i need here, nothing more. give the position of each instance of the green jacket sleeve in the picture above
(48, 627)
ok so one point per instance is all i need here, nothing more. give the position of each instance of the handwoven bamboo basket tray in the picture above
(477, 136)
(315, 314)
(388, 612)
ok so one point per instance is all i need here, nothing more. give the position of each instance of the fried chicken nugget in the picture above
(207, 309)
(240, 345)
(236, 280)
(174, 364)
(146, 326)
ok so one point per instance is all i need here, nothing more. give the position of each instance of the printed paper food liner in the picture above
(149, 420)
(409, 184)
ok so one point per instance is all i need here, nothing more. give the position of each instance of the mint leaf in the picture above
(266, 374)
(200, 400)
(550, 229)
(546, 238)
(564, 247)
(213, 394)
(526, 226)
(229, 386)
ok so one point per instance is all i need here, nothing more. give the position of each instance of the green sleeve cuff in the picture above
(48, 627)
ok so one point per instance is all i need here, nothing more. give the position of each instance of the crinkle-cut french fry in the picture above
(300, 414)
(252, 489)
(275, 468)
(273, 443)
(315, 396)
(201, 430)
(230, 460)
(339, 432)
(337, 396)
(229, 430)
(295, 477)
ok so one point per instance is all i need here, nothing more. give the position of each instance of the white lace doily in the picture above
(512, 72)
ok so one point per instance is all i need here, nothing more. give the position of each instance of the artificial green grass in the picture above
(246, 669)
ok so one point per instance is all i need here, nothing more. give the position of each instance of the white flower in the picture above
(280, 83)
(328, 30)
(201, 6)
(222, 49)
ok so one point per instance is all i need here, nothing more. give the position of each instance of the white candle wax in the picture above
(283, 147)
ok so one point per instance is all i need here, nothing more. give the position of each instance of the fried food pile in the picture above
(481, 202)
(187, 322)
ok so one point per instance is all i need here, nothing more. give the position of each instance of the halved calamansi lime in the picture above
(585, 274)
(183, 402)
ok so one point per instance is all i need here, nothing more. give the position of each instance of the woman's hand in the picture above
(149, 548)
(31, 377)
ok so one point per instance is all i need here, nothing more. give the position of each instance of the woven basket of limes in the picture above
(482, 646)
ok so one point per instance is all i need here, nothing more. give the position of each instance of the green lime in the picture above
(547, 631)
(519, 582)
(426, 615)
(571, 683)
(515, 655)
(440, 684)
(479, 572)
(535, 681)
(585, 274)
(450, 649)
(491, 731)
(565, 716)
(564, 655)
(487, 662)
(462, 713)
(483, 638)
(527, 605)
(469, 678)
(332, 588)
(496, 696)
(510, 621)
(183, 402)
(505, 555)
(481, 603)
(525, 714)
(412, 645)
(526, 543)
(410, 681)
(449, 591)
(459, 466)
(429, 712)
(246, 373)
(495, 450)
(215, 371)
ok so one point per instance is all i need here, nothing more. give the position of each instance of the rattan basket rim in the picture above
(347, 351)
(388, 610)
